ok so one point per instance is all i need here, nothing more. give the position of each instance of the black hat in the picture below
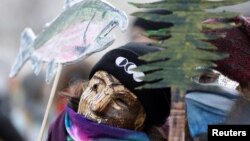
(120, 62)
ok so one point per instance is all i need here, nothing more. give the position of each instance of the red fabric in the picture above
(60, 104)
(237, 45)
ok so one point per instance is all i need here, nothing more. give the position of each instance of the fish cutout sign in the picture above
(79, 31)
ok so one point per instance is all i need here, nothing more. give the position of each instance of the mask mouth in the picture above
(89, 115)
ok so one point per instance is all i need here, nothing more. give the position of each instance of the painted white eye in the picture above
(138, 76)
(121, 61)
(131, 68)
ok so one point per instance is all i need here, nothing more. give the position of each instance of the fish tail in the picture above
(25, 51)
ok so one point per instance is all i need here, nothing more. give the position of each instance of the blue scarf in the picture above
(208, 106)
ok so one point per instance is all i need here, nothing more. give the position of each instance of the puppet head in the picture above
(111, 96)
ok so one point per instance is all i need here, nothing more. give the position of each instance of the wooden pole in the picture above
(177, 118)
(51, 98)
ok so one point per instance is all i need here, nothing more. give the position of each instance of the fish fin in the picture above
(25, 51)
(36, 64)
(51, 71)
(69, 3)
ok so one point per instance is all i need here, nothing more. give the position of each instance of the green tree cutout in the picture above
(187, 51)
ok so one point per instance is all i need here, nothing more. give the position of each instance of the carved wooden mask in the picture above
(106, 100)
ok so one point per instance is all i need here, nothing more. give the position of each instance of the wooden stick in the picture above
(52, 95)
(177, 117)
(177, 122)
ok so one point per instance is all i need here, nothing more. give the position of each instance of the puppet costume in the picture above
(119, 62)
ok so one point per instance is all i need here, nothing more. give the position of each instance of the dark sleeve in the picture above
(57, 131)
(73, 103)
(155, 135)
(8, 131)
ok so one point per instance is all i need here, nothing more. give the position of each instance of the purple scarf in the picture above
(82, 129)
(77, 128)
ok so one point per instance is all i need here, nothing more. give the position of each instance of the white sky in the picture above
(18, 14)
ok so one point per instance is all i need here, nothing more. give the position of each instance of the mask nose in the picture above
(100, 102)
